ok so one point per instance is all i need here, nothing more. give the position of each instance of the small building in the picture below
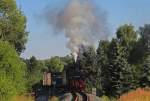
(47, 79)
(56, 79)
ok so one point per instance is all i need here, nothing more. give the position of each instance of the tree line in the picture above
(120, 64)
(115, 67)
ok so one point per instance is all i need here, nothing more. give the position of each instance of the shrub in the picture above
(12, 72)
(106, 98)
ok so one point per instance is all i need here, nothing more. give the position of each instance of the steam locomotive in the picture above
(70, 80)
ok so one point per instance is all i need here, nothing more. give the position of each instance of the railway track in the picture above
(78, 96)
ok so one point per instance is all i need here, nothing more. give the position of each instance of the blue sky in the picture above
(43, 44)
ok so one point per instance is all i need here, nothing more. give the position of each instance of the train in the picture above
(68, 81)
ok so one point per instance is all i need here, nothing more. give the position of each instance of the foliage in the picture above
(55, 64)
(126, 35)
(137, 95)
(119, 71)
(12, 72)
(67, 60)
(86, 64)
(12, 25)
(145, 37)
(101, 65)
(35, 70)
(116, 67)
(106, 98)
(142, 46)
(145, 80)
(137, 53)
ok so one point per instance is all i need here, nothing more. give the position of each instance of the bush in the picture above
(12, 72)
(137, 95)
(106, 98)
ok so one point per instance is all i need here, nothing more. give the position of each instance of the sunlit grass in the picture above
(106, 98)
(23, 98)
(30, 98)
(137, 95)
(54, 98)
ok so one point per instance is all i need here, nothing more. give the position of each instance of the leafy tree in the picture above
(12, 25)
(127, 37)
(139, 52)
(119, 76)
(136, 61)
(34, 71)
(142, 47)
(145, 37)
(12, 72)
(55, 64)
(67, 60)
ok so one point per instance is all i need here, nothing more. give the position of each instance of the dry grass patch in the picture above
(23, 98)
(137, 95)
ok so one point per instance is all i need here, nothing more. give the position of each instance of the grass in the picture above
(23, 98)
(141, 94)
(30, 98)
(54, 99)
(137, 95)
(106, 98)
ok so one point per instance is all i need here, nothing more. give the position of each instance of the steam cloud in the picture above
(81, 22)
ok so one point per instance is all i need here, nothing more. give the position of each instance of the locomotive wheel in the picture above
(75, 97)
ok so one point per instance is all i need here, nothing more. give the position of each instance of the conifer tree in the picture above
(101, 65)
(120, 77)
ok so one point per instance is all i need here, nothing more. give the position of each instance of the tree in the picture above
(142, 46)
(102, 65)
(145, 37)
(145, 79)
(145, 43)
(127, 37)
(12, 72)
(119, 71)
(12, 25)
(67, 60)
(55, 64)
(86, 63)
(34, 71)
